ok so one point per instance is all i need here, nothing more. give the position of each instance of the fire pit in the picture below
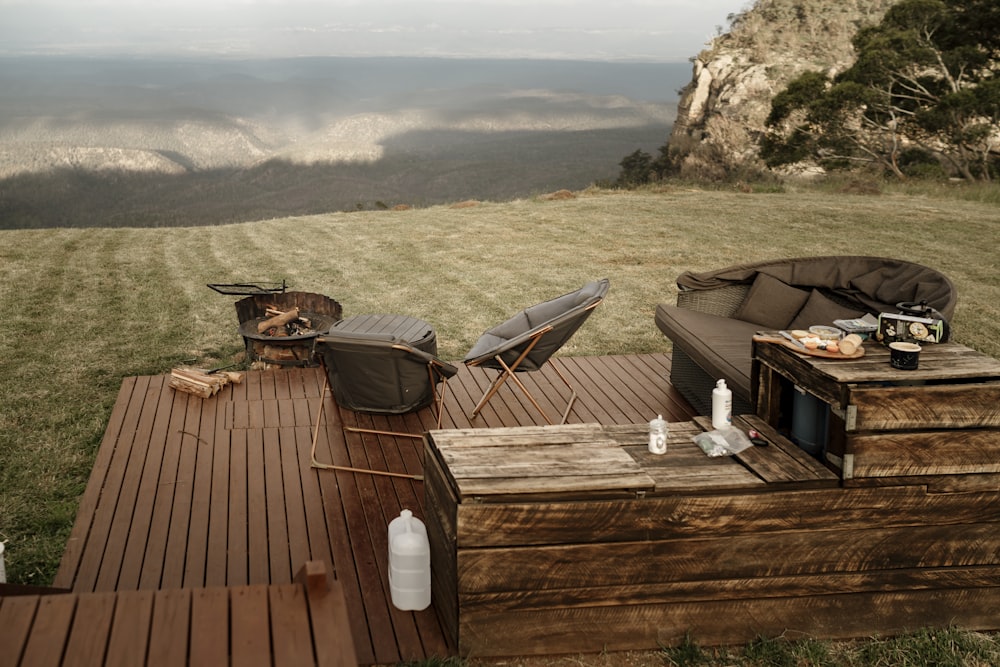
(288, 343)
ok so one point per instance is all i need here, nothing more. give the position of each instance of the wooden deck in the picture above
(262, 625)
(188, 493)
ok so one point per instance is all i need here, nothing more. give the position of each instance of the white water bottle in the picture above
(722, 406)
(409, 563)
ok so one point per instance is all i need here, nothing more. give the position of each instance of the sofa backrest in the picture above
(872, 284)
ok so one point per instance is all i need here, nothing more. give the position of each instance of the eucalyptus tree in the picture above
(925, 81)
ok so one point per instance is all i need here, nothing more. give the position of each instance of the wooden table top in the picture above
(938, 362)
(574, 461)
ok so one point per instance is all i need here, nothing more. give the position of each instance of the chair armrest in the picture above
(443, 367)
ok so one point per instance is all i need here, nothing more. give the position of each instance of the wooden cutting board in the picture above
(860, 352)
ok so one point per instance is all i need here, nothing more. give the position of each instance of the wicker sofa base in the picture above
(696, 385)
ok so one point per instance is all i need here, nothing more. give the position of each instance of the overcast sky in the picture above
(646, 30)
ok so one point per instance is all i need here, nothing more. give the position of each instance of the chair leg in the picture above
(572, 391)
(497, 381)
(327, 466)
(509, 373)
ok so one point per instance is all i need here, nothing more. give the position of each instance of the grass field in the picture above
(83, 308)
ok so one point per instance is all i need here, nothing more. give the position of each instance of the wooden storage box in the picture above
(548, 540)
(942, 419)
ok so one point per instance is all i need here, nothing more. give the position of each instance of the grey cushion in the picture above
(820, 309)
(722, 346)
(771, 303)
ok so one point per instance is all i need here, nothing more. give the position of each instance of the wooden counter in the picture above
(940, 422)
(575, 538)
(567, 539)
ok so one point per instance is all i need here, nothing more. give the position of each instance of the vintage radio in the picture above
(894, 327)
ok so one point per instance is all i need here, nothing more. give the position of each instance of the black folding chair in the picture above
(378, 373)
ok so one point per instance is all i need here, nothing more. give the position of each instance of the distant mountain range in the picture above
(368, 120)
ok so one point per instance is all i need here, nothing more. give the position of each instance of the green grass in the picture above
(83, 308)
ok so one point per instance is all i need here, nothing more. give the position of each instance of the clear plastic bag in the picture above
(723, 442)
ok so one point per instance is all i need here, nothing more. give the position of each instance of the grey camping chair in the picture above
(527, 341)
(378, 373)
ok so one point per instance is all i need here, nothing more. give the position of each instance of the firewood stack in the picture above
(201, 382)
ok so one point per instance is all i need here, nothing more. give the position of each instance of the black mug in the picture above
(904, 356)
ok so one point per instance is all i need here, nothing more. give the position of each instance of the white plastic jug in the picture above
(409, 563)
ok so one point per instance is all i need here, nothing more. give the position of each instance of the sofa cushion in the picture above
(722, 346)
(820, 309)
(771, 303)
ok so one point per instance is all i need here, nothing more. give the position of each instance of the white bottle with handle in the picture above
(409, 563)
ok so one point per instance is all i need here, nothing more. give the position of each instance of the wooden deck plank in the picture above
(336, 520)
(138, 534)
(113, 478)
(159, 525)
(217, 547)
(294, 503)
(317, 530)
(209, 645)
(237, 546)
(257, 552)
(169, 632)
(226, 495)
(290, 621)
(88, 641)
(279, 558)
(16, 616)
(300, 623)
(201, 495)
(249, 630)
(174, 557)
(51, 626)
(129, 636)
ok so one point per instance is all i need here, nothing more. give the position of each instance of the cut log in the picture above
(271, 311)
(201, 383)
(278, 320)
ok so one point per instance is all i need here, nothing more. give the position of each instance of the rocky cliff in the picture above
(722, 110)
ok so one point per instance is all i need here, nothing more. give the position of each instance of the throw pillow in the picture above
(771, 303)
(820, 309)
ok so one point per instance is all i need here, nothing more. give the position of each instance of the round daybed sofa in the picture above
(718, 312)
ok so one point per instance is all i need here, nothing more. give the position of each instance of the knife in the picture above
(794, 340)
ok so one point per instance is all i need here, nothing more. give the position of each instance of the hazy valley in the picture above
(143, 142)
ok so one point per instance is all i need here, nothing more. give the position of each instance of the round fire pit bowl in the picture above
(317, 313)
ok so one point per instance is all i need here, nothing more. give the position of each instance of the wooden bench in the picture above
(568, 539)
(302, 623)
